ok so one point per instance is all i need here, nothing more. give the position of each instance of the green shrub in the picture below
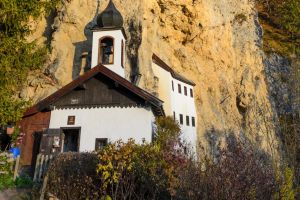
(285, 180)
(24, 181)
(6, 181)
(6, 176)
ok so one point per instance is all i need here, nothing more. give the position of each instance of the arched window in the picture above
(106, 50)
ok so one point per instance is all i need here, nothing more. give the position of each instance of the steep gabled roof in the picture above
(174, 74)
(155, 103)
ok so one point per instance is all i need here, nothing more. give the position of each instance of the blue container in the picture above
(15, 151)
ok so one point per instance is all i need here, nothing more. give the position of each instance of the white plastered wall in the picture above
(178, 103)
(164, 87)
(185, 105)
(113, 123)
(118, 37)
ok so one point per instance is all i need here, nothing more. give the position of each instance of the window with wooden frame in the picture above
(187, 120)
(185, 90)
(122, 54)
(106, 51)
(193, 122)
(181, 119)
(101, 143)
(179, 88)
(191, 92)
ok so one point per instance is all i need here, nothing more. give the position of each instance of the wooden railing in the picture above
(41, 167)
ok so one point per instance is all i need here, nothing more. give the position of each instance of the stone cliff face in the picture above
(279, 72)
(215, 43)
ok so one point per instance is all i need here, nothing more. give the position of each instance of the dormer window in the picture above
(106, 51)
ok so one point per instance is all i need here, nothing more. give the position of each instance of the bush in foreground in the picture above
(73, 176)
(164, 170)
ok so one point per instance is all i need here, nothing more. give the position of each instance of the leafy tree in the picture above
(147, 171)
(167, 132)
(18, 56)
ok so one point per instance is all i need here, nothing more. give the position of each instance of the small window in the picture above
(174, 115)
(71, 120)
(187, 120)
(191, 91)
(179, 88)
(185, 91)
(106, 51)
(193, 122)
(181, 118)
(100, 143)
(172, 85)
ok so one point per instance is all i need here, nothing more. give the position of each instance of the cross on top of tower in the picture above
(110, 17)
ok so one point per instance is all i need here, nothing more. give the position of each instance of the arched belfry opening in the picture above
(106, 51)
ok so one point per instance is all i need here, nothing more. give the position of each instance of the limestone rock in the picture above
(215, 43)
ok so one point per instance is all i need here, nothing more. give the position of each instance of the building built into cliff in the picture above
(102, 106)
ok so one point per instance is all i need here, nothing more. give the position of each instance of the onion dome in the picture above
(110, 17)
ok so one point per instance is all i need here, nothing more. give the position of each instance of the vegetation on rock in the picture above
(281, 22)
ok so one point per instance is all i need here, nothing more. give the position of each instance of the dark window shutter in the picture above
(193, 122)
(191, 91)
(173, 85)
(181, 118)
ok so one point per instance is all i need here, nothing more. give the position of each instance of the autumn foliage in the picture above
(165, 170)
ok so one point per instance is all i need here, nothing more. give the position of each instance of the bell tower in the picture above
(109, 40)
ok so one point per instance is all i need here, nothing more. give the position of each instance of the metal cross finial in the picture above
(98, 7)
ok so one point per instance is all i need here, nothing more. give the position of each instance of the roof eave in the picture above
(166, 67)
